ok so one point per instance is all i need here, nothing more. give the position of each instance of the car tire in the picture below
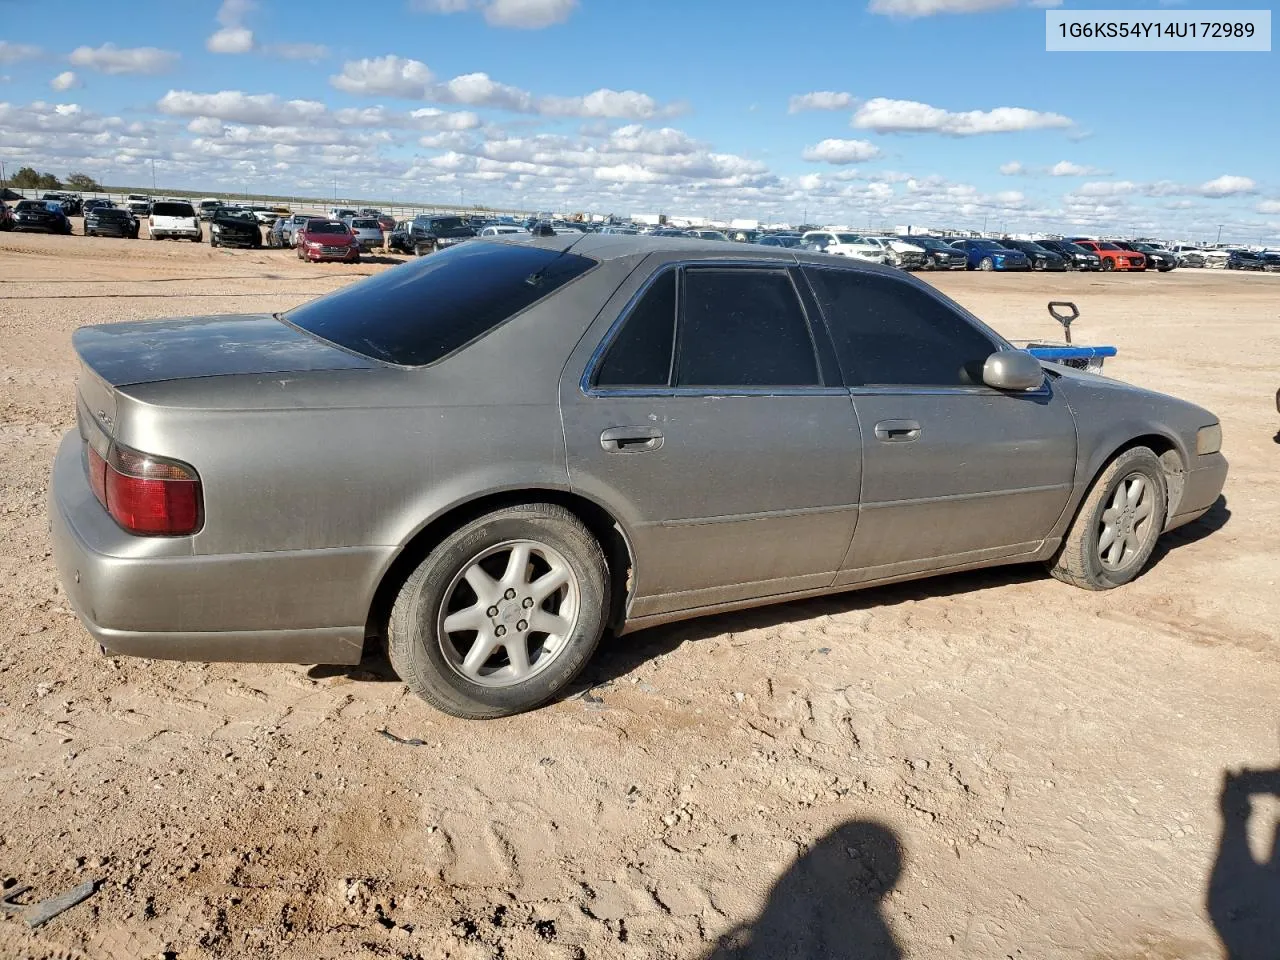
(433, 663)
(1091, 556)
(986, 264)
(213, 240)
(197, 239)
(1108, 264)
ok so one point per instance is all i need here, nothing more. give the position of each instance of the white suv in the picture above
(173, 218)
(845, 245)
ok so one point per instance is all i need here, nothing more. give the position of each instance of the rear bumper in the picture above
(152, 597)
(182, 233)
(1201, 488)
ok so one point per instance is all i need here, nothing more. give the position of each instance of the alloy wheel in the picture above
(509, 613)
(1127, 524)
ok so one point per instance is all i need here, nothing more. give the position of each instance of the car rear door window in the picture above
(887, 331)
(422, 311)
(640, 355)
(743, 328)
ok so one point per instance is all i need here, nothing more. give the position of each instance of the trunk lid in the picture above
(149, 351)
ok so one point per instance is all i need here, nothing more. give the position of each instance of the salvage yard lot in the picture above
(1048, 760)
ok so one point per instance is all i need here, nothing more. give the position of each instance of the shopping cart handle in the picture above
(1063, 318)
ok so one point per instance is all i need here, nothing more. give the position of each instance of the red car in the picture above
(1113, 257)
(328, 240)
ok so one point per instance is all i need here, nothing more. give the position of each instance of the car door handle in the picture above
(897, 431)
(630, 439)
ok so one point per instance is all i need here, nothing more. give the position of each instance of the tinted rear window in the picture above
(172, 210)
(365, 224)
(424, 310)
(111, 213)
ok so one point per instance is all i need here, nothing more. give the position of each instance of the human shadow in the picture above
(1243, 900)
(827, 906)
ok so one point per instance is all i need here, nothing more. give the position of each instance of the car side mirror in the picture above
(1012, 370)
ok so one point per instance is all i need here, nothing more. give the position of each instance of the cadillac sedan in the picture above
(488, 457)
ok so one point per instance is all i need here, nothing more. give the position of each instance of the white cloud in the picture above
(1107, 188)
(413, 80)
(1065, 168)
(230, 40)
(523, 14)
(841, 151)
(431, 118)
(385, 76)
(232, 105)
(65, 81)
(1012, 169)
(902, 116)
(1269, 206)
(1227, 186)
(819, 100)
(109, 58)
(928, 8)
(13, 52)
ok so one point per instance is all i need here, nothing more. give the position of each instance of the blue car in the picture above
(989, 255)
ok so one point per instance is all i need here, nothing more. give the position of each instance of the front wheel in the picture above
(503, 614)
(986, 264)
(1108, 265)
(1116, 529)
(213, 240)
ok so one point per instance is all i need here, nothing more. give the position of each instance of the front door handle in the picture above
(630, 439)
(897, 431)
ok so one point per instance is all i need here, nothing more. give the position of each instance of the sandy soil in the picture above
(986, 765)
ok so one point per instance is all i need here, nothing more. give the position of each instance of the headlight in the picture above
(1209, 439)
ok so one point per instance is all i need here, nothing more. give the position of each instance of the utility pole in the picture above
(153, 174)
(985, 217)
(1219, 240)
(335, 191)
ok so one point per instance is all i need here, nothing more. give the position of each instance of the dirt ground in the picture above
(984, 765)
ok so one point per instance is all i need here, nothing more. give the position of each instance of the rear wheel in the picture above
(1118, 524)
(503, 614)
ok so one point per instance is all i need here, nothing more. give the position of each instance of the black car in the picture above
(102, 221)
(1245, 260)
(95, 203)
(430, 233)
(780, 240)
(234, 227)
(938, 254)
(398, 239)
(1042, 258)
(1074, 256)
(45, 216)
(6, 216)
(1157, 259)
(70, 202)
(1271, 261)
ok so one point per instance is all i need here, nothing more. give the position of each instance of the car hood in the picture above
(148, 351)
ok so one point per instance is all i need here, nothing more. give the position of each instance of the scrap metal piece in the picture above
(7, 906)
(40, 913)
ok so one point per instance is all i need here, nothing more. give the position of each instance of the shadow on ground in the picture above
(1244, 894)
(827, 906)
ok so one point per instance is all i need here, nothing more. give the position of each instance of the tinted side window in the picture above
(640, 355)
(886, 331)
(743, 328)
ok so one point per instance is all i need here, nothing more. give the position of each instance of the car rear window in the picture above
(419, 312)
(365, 224)
(111, 213)
(172, 210)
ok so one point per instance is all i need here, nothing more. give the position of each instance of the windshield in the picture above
(986, 245)
(235, 214)
(929, 243)
(847, 237)
(32, 205)
(420, 312)
(326, 226)
(442, 223)
(1107, 246)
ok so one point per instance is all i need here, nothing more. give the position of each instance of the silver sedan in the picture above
(488, 457)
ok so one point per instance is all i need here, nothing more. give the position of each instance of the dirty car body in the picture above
(782, 447)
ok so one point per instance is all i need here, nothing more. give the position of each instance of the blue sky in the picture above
(933, 112)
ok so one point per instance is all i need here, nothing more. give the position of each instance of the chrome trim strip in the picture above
(762, 515)
(955, 497)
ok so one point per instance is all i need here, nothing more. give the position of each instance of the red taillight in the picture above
(144, 494)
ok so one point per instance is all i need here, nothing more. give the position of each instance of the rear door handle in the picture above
(897, 431)
(630, 439)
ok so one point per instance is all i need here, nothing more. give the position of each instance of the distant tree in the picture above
(48, 181)
(82, 182)
(25, 177)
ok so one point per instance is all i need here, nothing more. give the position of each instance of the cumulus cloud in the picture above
(230, 40)
(111, 59)
(233, 36)
(1227, 186)
(13, 52)
(1107, 188)
(1269, 206)
(233, 105)
(908, 116)
(841, 151)
(410, 79)
(65, 81)
(819, 100)
(1065, 168)
(1012, 168)
(522, 14)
